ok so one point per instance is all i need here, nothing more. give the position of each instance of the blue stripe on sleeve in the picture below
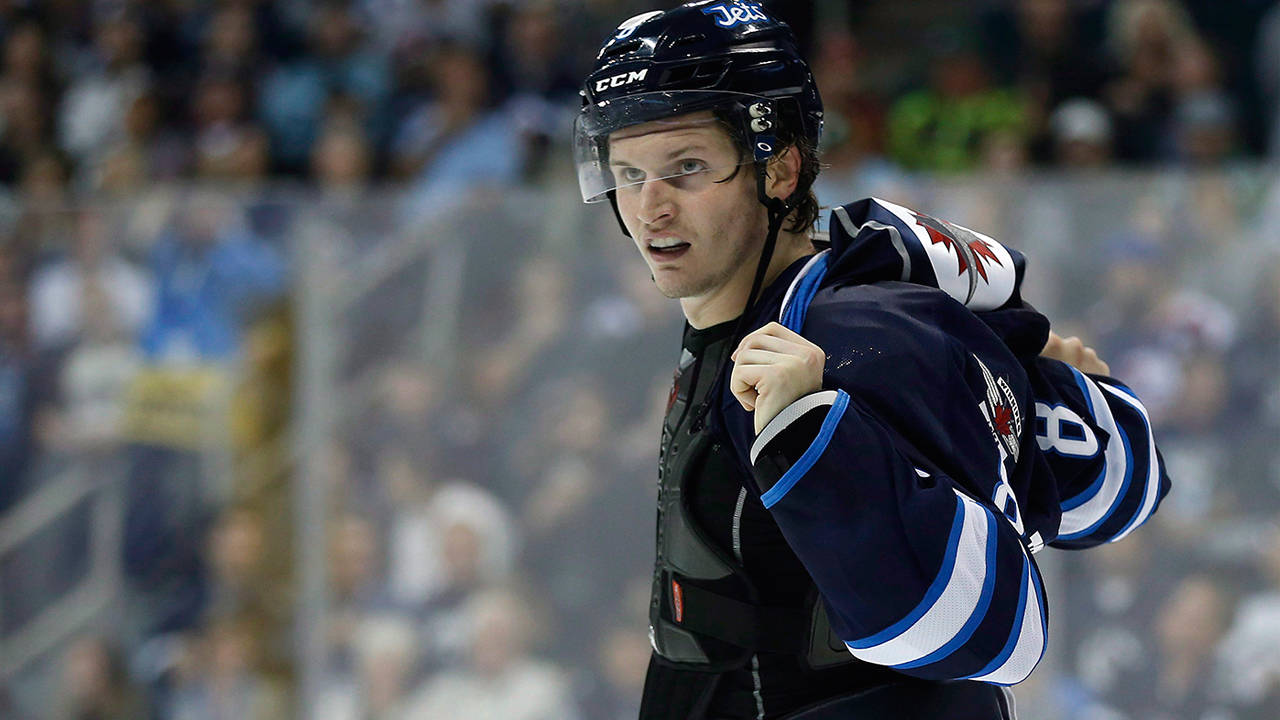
(811, 455)
(979, 612)
(1152, 485)
(1016, 631)
(930, 596)
(793, 318)
(1087, 494)
(1120, 496)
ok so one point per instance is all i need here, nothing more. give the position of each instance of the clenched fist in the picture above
(773, 367)
(1074, 352)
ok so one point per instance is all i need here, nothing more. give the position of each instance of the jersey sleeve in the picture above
(917, 574)
(1097, 439)
(895, 492)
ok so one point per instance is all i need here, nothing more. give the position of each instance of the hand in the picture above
(1074, 352)
(774, 367)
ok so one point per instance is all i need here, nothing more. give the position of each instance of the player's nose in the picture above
(656, 203)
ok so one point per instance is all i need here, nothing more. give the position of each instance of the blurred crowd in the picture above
(491, 477)
(111, 97)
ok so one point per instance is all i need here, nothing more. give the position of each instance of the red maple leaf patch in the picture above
(944, 233)
(1004, 420)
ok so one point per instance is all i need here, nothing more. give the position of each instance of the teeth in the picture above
(664, 244)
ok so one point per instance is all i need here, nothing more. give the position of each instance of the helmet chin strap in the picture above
(778, 211)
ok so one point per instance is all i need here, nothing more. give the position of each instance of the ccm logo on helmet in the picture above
(620, 79)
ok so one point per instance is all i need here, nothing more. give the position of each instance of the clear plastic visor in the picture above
(624, 143)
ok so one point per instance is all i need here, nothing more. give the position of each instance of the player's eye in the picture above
(689, 167)
(629, 174)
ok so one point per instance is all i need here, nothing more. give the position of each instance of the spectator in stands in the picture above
(944, 125)
(1197, 450)
(19, 392)
(228, 145)
(1189, 628)
(355, 566)
(92, 111)
(340, 63)
(375, 688)
(241, 584)
(28, 83)
(577, 502)
(92, 269)
(1255, 401)
(356, 582)
(537, 75)
(25, 134)
(149, 151)
(230, 43)
(501, 679)
(1109, 645)
(456, 141)
(1048, 49)
(1081, 134)
(1249, 665)
(521, 339)
(342, 162)
(1204, 130)
(1204, 122)
(853, 129)
(1145, 37)
(92, 383)
(476, 548)
(96, 684)
(406, 483)
(621, 661)
(210, 270)
(42, 217)
(27, 59)
(397, 23)
(224, 679)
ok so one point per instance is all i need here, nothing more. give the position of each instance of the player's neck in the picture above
(727, 302)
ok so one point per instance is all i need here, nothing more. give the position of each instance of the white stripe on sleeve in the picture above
(1095, 508)
(952, 609)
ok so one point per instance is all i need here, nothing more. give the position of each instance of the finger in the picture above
(778, 330)
(752, 356)
(1052, 345)
(770, 342)
(742, 385)
(745, 377)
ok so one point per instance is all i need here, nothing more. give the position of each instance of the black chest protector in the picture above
(706, 610)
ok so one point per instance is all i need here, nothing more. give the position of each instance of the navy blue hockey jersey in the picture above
(943, 452)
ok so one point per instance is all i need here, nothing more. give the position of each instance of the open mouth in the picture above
(666, 253)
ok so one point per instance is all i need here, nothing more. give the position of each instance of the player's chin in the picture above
(671, 287)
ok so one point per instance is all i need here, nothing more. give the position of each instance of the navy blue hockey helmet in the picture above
(729, 56)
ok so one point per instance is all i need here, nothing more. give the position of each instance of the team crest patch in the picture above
(972, 252)
(968, 265)
(1000, 408)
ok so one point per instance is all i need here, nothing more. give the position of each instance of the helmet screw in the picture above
(759, 109)
(760, 125)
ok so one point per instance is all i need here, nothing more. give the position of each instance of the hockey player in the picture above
(865, 447)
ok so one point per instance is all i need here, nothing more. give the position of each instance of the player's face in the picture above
(690, 208)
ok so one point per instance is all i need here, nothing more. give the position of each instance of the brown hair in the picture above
(806, 210)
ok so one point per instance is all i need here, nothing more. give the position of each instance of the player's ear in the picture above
(782, 174)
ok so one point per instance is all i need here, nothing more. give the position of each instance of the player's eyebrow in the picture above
(673, 154)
